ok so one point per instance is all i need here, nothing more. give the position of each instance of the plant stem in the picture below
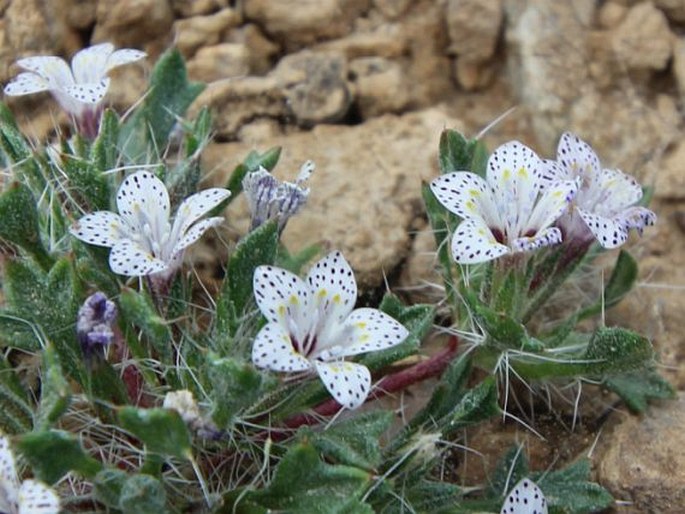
(389, 384)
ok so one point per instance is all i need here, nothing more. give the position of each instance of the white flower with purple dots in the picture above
(525, 498)
(143, 240)
(604, 207)
(312, 326)
(80, 89)
(507, 212)
(28, 497)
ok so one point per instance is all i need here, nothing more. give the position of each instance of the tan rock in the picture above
(471, 75)
(196, 31)
(134, 23)
(674, 9)
(474, 27)
(387, 41)
(219, 62)
(80, 14)
(643, 39)
(261, 51)
(678, 64)
(187, 8)
(33, 27)
(298, 22)
(365, 192)
(315, 84)
(392, 9)
(670, 179)
(380, 86)
(611, 14)
(642, 460)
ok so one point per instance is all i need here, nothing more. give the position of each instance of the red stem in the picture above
(387, 385)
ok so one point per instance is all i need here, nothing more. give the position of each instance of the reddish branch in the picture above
(389, 384)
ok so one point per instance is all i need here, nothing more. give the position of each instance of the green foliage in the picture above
(143, 494)
(622, 280)
(137, 309)
(636, 388)
(252, 162)
(456, 153)
(41, 448)
(16, 414)
(55, 393)
(161, 430)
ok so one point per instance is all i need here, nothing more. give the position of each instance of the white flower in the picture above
(525, 498)
(29, 497)
(79, 89)
(268, 198)
(605, 203)
(506, 212)
(142, 239)
(311, 325)
(183, 402)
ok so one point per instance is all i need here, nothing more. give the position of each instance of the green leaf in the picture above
(41, 448)
(143, 494)
(620, 283)
(456, 153)
(19, 222)
(303, 483)
(426, 496)
(255, 249)
(477, 404)
(637, 388)
(161, 430)
(503, 331)
(55, 393)
(199, 133)
(295, 262)
(104, 152)
(252, 162)
(353, 442)
(137, 308)
(17, 152)
(16, 415)
(107, 486)
(235, 386)
(617, 350)
(170, 96)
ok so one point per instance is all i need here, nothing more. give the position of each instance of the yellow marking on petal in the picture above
(364, 337)
(506, 174)
(474, 192)
(294, 300)
(470, 206)
(281, 310)
(322, 292)
(523, 172)
(335, 368)
(336, 298)
(347, 366)
(361, 324)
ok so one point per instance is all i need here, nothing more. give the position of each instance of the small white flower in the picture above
(268, 198)
(605, 203)
(311, 325)
(29, 497)
(183, 402)
(79, 89)
(525, 498)
(142, 239)
(506, 212)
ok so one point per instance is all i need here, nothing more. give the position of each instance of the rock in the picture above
(219, 62)
(365, 192)
(392, 9)
(261, 51)
(674, 9)
(643, 39)
(134, 23)
(642, 460)
(679, 65)
(670, 179)
(472, 76)
(237, 101)
(192, 33)
(474, 27)
(420, 279)
(188, 8)
(380, 86)
(611, 14)
(387, 41)
(298, 22)
(315, 86)
(80, 14)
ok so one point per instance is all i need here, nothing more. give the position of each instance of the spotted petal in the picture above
(124, 56)
(37, 498)
(577, 157)
(143, 199)
(196, 206)
(26, 83)
(372, 330)
(349, 383)
(90, 64)
(555, 200)
(615, 192)
(195, 233)
(473, 242)
(102, 228)
(467, 195)
(273, 349)
(129, 258)
(609, 232)
(546, 237)
(9, 482)
(51, 68)
(333, 287)
(525, 498)
(88, 93)
(283, 298)
(637, 218)
(515, 174)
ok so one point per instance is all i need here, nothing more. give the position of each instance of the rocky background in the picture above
(364, 87)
